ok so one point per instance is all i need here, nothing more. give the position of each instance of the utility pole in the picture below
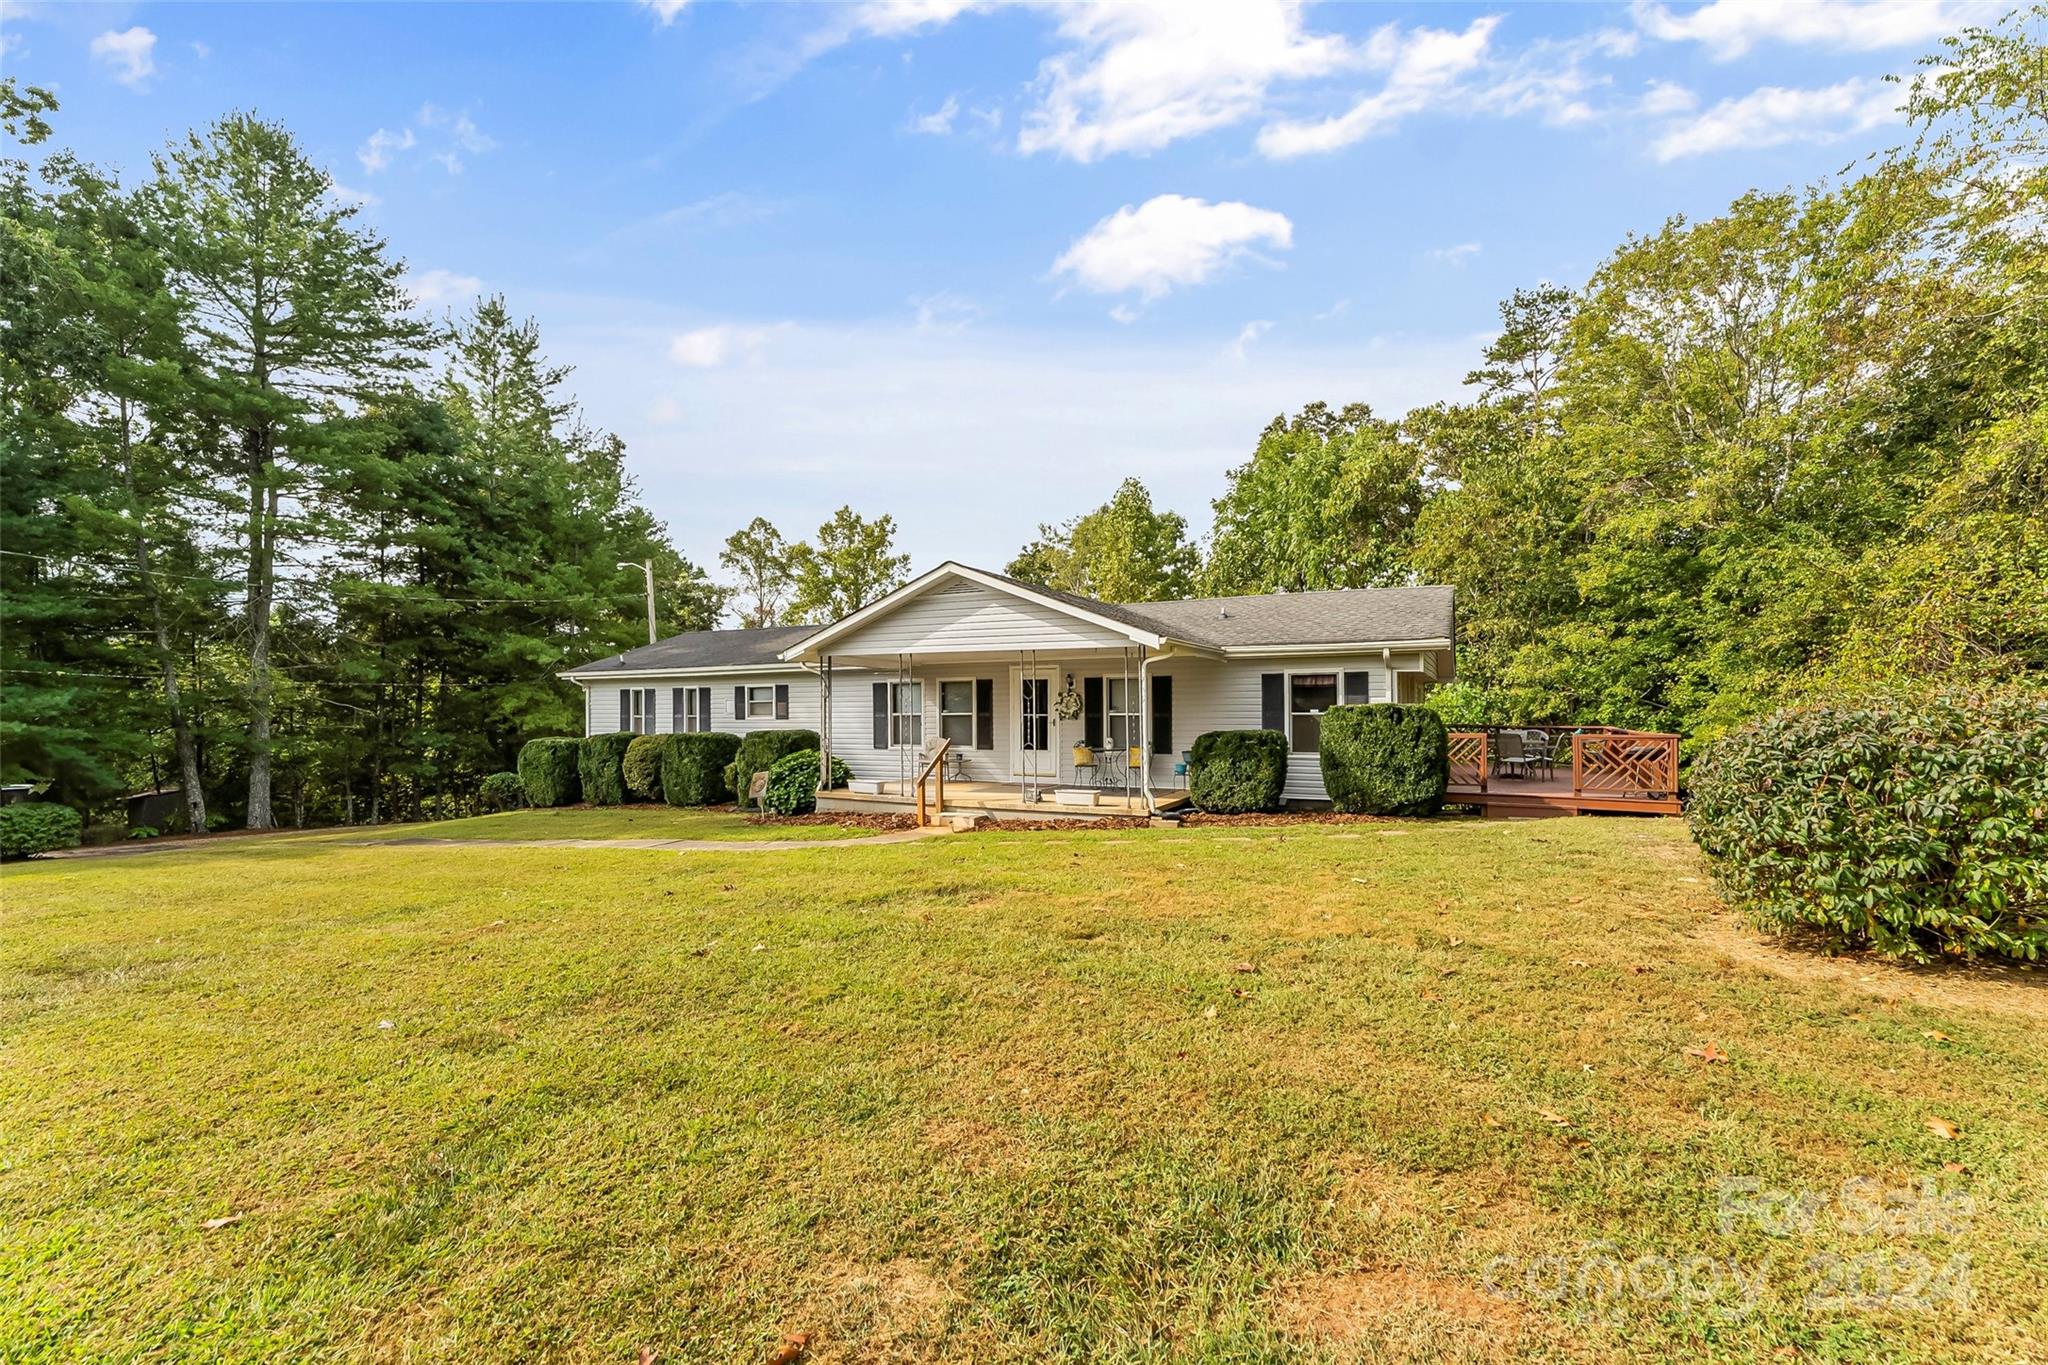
(648, 569)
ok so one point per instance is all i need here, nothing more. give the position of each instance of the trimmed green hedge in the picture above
(1911, 824)
(547, 771)
(1232, 771)
(793, 783)
(642, 767)
(31, 827)
(1385, 760)
(759, 752)
(601, 767)
(693, 768)
(501, 791)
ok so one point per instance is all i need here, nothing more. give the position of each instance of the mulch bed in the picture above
(893, 820)
(1005, 825)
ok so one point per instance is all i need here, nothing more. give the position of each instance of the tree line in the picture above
(1797, 447)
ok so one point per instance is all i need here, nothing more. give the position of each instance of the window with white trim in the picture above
(760, 703)
(636, 711)
(1308, 696)
(956, 712)
(1120, 712)
(692, 722)
(906, 714)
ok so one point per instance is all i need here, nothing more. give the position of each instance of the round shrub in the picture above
(31, 827)
(642, 767)
(1385, 760)
(759, 751)
(501, 791)
(793, 783)
(1233, 771)
(693, 767)
(547, 771)
(1914, 825)
(601, 768)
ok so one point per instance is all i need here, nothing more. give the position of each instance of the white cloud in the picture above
(201, 50)
(432, 288)
(1333, 312)
(725, 344)
(378, 149)
(665, 11)
(940, 121)
(1142, 75)
(1422, 66)
(1730, 28)
(360, 198)
(461, 128)
(1666, 97)
(447, 161)
(901, 18)
(130, 54)
(1774, 115)
(1453, 255)
(1167, 242)
(944, 312)
(1248, 336)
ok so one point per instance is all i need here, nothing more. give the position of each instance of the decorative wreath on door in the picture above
(1067, 706)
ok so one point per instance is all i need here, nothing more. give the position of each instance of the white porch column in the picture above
(825, 723)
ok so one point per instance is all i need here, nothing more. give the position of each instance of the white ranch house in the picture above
(1047, 697)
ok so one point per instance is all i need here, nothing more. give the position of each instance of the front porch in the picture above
(1001, 799)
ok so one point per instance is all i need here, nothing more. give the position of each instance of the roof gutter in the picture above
(1345, 647)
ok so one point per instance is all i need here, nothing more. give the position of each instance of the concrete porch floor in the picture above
(1004, 798)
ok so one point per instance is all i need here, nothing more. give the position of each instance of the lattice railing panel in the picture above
(1629, 764)
(1468, 752)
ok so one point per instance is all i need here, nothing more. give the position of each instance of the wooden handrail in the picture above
(1471, 746)
(937, 759)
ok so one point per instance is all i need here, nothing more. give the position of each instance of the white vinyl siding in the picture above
(602, 709)
(967, 616)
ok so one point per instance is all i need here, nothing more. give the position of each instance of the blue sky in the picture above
(972, 264)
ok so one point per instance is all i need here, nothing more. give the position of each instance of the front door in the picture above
(1034, 735)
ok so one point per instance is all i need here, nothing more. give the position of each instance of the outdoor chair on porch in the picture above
(1087, 772)
(1541, 750)
(1510, 755)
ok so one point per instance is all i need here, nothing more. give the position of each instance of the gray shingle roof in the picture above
(1344, 616)
(703, 649)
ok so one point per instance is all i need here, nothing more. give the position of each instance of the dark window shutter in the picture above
(782, 701)
(1162, 714)
(625, 709)
(1357, 688)
(984, 713)
(703, 708)
(881, 715)
(739, 703)
(1273, 702)
(1091, 712)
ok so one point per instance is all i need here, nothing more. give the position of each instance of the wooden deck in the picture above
(1604, 771)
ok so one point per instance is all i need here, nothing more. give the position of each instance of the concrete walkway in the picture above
(900, 836)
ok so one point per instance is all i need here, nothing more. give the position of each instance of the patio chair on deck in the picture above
(1087, 772)
(1510, 757)
(1542, 751)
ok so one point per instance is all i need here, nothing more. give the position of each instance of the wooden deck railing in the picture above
(1470, 758)
(936, 764)
(1625, 763)
(1606, 761)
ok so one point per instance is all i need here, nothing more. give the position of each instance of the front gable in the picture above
(951, 611)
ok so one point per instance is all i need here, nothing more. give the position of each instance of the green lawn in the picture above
(615, 822)
(1009, 1096)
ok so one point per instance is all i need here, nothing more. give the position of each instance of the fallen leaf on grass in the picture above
(1943, 1129)
(1243, 967)
(1209, 1013)
(1707, 1053)
(1431, 996)
(1576, 963)
(791, 1350)
(1552, 1116)
(1954, 1167)
(646, 1355)
(1936, 1034)
(1447, 971)
(1240, 993)
(216, 1224)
